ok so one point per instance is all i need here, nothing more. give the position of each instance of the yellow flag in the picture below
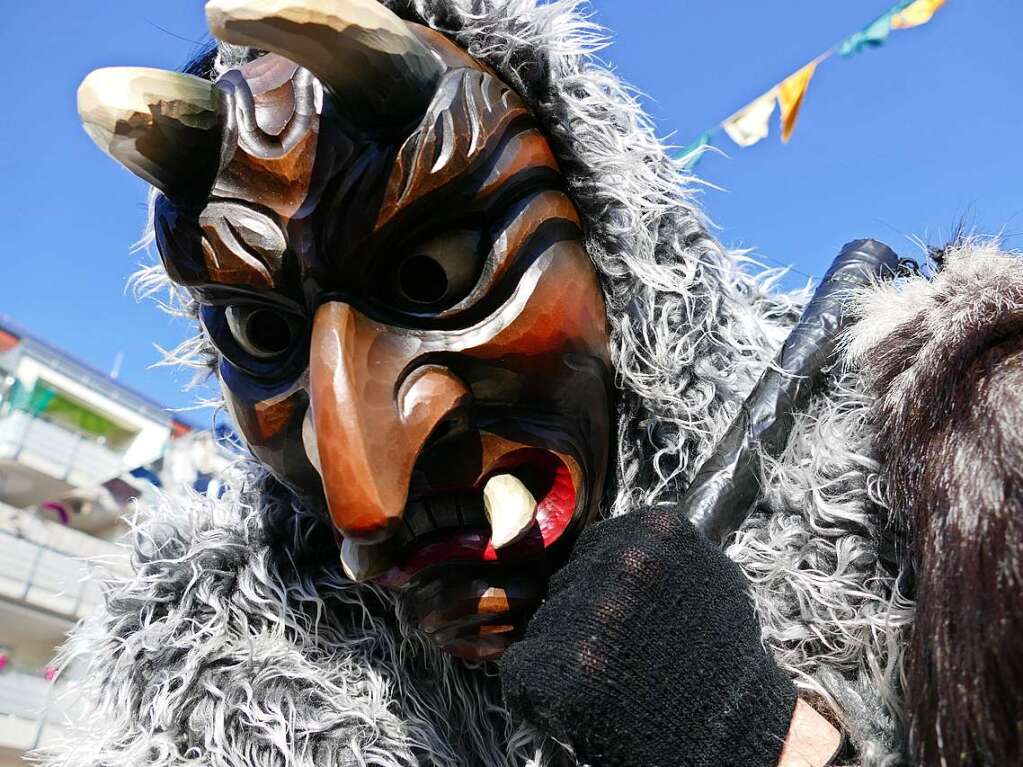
(916, 13)
(751, 123)
(790, 97)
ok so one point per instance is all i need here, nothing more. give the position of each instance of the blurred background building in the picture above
(76, 449)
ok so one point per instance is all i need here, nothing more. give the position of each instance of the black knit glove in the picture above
(647, 652)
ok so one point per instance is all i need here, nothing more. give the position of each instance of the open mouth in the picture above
(520, 507)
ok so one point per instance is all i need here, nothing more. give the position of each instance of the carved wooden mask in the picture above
(408, 326)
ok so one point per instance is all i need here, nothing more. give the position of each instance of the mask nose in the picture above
(370, 417)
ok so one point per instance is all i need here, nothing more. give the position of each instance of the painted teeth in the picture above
(364, 561)
(510, 508)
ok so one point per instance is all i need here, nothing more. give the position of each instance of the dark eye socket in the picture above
(261, 331)
(422, 279)
(263, 340)
(437, 274)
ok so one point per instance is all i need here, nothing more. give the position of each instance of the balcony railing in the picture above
(45, 578)
(56, 451)
(42, 567)
(43, 564)
(31, 709)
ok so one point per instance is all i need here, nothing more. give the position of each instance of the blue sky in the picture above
(893, 143)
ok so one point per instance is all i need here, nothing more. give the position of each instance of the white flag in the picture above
(752, 123)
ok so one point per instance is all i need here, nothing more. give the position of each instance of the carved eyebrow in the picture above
(524, 155)
(228, 244)
(219, 294)
(546, 216)
(241, 245)
(475, 124)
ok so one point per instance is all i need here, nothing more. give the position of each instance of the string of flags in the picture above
(752, 123)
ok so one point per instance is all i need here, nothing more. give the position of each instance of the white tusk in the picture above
(361, 562)
(510, 508)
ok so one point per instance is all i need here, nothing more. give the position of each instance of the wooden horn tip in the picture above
(137, 88)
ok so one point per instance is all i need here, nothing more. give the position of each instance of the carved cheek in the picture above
(544, 378)
(271, 423)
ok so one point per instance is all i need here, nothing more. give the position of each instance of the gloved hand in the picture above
(647, 652)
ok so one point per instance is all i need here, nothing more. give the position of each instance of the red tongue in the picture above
(553, 513)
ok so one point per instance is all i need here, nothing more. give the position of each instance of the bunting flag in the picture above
(916, 14)
(874, 34)
(691, 155)
(790, 98)
(751, 124)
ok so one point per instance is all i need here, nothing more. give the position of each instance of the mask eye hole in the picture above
(260, 331)
(422, 280)
(437, 274)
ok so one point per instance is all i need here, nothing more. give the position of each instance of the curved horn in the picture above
(162, 126)
(363, 53)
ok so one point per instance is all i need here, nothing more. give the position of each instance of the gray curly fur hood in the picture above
(238, 641)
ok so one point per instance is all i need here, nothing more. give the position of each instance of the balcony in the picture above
(31, 710)
(56, 451)
(46, 579)
(44, 589)
(43, 565)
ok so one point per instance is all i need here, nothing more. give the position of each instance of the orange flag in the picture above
(790, 97)
(916, 14)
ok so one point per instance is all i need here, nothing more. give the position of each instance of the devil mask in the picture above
(409, 331)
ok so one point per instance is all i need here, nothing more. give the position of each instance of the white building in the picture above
(72, 442)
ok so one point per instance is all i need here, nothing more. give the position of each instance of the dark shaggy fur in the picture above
(946, 362)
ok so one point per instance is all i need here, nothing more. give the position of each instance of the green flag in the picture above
(874, 34)
(692, 154)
